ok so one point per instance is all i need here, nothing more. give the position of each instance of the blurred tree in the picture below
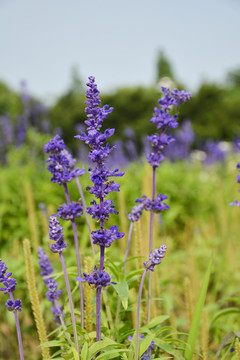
(164, 67)
(9, 101)
(233, 78)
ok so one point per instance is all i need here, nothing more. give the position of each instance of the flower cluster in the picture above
(97, 279)
(164, 121)
(144, 203)
(56, 234)
(71, 211)
(155, 258)
(61, 164)
(95, 139)
(236, 202)
(100, 176)
(53, 294)
(105, 237)
(9, 285)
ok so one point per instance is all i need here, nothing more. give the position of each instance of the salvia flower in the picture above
(136, 212)
(97, 279)
(101, 212)
(71, 211)
(164, 121)
(155, 258)
(9, 285)
(61, 163)
(3, 271)
(56, 234)
(105, 237)
(14, 305)
(95, 139)
(236, 202)
(44, 263)
(156, 205)
(53, 294)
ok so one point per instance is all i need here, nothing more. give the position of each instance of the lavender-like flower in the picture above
(164, 120)
(154, 259)
(62, 168)
(99, 175)
(56, 234)
(61, 163)
(53, 294)
(14, 305)
(11, 304)
(71, 211)
(236, 202)
(97, 279)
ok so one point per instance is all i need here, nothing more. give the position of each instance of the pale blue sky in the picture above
(117, 41)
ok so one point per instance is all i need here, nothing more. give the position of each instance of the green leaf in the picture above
(84, 351)
(156, 321)
(146, 343)
(168, 348)
(197, 315)
(75, 353)
(112, 352)
(122, 290)
(98, 346)
(52, 343)
(224, 312)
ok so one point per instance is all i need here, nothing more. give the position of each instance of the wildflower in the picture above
(155, 258)
(97, 279)
(164, 121)
(13, 305)
(61, 163)
(53, 294)
(44, 263)
(102, 185)
(71, 211)
(56, 234)
(105, 237)
(236, 202)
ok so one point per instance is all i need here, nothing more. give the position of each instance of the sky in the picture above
(116, 41)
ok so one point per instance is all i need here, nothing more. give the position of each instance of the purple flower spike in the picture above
(105, 237)
(136, 212)
(97, 279)
(44, 263)
(164, 121)
(14, 305)
(56, 234)
(155, 258)
(236, 202)
(3, 274)
(9, 286)
(55, 145)
(61, 163)
(53, 294)
(70, 212)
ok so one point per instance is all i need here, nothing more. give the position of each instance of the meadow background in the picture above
(198, 175)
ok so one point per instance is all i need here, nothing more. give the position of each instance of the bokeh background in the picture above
(133, 48)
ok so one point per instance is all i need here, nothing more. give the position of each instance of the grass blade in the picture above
(197, 315)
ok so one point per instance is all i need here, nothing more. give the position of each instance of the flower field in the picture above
(104, 303)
